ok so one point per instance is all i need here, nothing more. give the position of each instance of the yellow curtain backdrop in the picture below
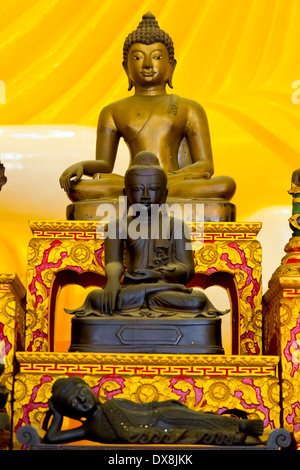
(61, 62)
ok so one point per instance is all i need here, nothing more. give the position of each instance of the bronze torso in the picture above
(138, 120)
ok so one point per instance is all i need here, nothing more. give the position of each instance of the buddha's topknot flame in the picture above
(148, 32)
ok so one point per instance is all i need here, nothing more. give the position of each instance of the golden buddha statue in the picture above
(173, 128)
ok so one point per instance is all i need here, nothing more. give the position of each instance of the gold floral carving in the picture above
(282, 336)
(203, 383)
(289, 269)
(58, 245)
(14, 283)
(46, 257)
(242, 258)
(12, 327)
(293, 244)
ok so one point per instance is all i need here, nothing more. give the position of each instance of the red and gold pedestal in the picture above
(12, 329)
(203, 383)
(225, 254)
(69, 252)
(281, 313)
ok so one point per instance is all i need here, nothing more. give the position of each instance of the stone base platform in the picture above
(140, 335)
(214, 210)
(203, 382)
(277, 440)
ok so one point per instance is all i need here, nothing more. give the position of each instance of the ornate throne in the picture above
(229, 255)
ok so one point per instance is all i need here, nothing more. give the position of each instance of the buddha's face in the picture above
(145, 187)
(149, 65)
(81, 399)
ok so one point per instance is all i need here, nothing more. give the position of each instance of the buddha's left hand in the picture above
(144, 274)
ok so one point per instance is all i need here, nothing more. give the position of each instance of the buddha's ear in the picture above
(130, 82)
(170, 79)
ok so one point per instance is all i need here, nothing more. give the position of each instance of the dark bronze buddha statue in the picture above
(173, 128)
(159, 264)
(123, 421)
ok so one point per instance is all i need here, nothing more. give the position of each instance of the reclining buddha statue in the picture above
(123, 421)
(173, 128)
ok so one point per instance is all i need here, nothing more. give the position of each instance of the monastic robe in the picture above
(168, 422)
(171, 255)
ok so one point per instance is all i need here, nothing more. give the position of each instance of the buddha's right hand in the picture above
(75, 171)
(53, 409)
(109, 298)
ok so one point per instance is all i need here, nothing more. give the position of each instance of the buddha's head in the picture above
(73, 397)
(145, 181)
(148, 54)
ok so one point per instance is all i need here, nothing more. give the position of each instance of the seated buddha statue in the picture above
(159, 264)
(173, 128)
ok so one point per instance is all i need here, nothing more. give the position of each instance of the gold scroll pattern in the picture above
(12, 327)
(242, 258)
(282, 337)
(257, 395)
(46, 256)
(290, 360)
(226, 247)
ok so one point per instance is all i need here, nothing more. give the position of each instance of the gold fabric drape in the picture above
(61, 63)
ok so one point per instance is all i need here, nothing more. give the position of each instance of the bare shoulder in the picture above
(109, 113)
(192, 106)
(120, 105)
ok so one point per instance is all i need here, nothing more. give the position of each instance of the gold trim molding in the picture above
(13, 282)
(62, 226)
(146, 364)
